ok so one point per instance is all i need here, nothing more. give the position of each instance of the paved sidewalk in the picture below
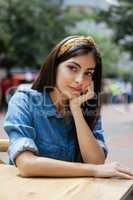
(118, 126)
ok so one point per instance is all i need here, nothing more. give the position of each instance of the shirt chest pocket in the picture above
(52, 151)
(57, 152)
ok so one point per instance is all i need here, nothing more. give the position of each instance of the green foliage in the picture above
(126, 75)
(29, 29)
(120, 18)
(110, 55)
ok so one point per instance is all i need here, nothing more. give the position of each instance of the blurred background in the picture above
(29, 30)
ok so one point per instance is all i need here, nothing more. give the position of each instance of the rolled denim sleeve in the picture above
(18, 126)
(99, 134)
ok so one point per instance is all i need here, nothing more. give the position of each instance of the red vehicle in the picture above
(10, 83)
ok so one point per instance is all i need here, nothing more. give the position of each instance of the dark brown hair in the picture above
(47, 74)
(47, 79)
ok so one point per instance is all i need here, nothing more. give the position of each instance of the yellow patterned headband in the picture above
(74, 42)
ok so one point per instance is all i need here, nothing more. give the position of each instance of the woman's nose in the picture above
(79, 78)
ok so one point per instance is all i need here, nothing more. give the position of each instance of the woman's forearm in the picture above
(30, 165)
(91, 151)
(34, 166)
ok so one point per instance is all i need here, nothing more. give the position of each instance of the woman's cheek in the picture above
(89, 82)
(68, 78)
(87, 85)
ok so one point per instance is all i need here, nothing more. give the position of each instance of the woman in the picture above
(55, 126)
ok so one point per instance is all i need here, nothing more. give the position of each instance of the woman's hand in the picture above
(77, 101)
(113, 169)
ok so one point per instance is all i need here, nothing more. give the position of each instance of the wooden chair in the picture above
(4, 143)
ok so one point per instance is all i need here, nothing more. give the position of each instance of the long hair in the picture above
(48, 72)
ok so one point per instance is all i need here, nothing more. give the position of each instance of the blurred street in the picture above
(118, 126)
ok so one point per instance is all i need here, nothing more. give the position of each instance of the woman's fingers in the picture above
(113, 169)
(124, 175)
(125, 170)
(88, 94)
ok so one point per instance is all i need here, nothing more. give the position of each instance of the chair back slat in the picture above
(4, 143)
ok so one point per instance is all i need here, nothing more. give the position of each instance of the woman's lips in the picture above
(76, 89)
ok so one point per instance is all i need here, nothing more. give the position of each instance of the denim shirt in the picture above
(33, 123)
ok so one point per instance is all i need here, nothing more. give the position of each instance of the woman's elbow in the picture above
(23, 163)
(96, 161)
(24, 171)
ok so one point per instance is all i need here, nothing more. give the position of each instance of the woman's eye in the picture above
(72, 68)
(90, 74)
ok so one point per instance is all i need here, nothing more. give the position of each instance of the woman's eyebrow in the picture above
(89, 68)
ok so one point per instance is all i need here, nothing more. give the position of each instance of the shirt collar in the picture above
(50, 106)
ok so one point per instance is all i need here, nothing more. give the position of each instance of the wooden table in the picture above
(14, 187)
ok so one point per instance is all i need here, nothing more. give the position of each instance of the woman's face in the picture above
(75, 75)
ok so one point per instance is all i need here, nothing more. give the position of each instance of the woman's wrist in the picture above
(90, 169)
(75, 109)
